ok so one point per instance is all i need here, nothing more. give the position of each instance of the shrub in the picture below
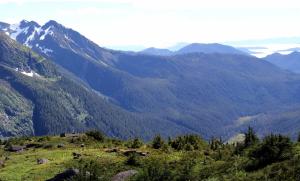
(133, 159)
(88, 170)
(97, 135)
(250, 138)
(155, 169)
(136, 143)
(188, 143)
(44, 138)
(157, 142)
(274, 148)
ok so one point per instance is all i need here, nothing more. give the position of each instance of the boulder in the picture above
(60, 145)
(76, 155)
(42, 160)
(122, 176)
(2, 163)
(133, 151)
(34, 145)
(111, 150)
(66, 175)
(15, 148)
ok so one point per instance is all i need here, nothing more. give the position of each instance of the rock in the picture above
(60, 145)
(142, 153)
(76, 155)
(42, 160)
(2, 163)
(128, 152)
(133, 151)
(72, 135)
(66, 175)
(34, 145)
(15, 148)
(111, 150)
(122, 176)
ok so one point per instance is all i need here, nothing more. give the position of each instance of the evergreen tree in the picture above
(298, 139)
(157, 142)
(136, 143)
(274, 148)
(250, 138)
(215, 143)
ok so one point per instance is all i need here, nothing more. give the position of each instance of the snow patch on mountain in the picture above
(44, 50)
(16, 30)
(28, 73)
(46, 32)
(31, 37)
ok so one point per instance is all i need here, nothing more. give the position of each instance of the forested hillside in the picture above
(36, 99)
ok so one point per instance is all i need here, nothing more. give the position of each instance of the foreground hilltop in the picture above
(93, 156)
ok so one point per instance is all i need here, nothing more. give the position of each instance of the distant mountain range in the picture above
(290, 62)
(195, 48)
(206, 89)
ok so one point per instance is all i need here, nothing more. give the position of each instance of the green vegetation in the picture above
(94, 156)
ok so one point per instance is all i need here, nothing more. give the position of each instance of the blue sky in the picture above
(162, 23)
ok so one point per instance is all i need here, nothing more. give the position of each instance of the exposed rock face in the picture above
(122, 176)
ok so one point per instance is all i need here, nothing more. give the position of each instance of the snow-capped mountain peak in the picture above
(29, 33)
(54, 38)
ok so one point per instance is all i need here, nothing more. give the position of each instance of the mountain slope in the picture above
(37, 100)
(289, 62)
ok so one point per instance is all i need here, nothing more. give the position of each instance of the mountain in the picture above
(36, 99)
(204, 93)
(209, 48)
(178, 46)
(196, 48)
(289, 62)
(156, 51)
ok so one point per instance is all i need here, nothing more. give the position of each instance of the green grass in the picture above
(23, 166)
(166, 163)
